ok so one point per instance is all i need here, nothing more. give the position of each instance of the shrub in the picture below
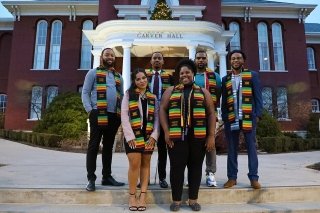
(1, 120)
(65, 116)
(268, 126)
(313, 126)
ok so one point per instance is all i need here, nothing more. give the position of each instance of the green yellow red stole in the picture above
(178, 124)
(135, 117)
(212, 86)
(165, 79)
(246, 106)
(102, 103)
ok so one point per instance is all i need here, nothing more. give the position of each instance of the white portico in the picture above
(139, 38)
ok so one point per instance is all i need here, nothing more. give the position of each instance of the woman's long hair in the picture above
(133, 86)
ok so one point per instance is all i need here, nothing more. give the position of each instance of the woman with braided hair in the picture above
(188, 120)
(140, 123)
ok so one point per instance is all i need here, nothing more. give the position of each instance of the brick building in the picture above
(51, 44)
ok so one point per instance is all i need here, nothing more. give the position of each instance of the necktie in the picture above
(156, 84)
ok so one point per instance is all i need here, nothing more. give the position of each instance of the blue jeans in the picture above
(233, 143)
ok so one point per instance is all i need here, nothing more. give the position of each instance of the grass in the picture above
(315, 166)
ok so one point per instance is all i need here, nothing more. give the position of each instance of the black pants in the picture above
(107, 134)
(188, 153)
(162, 156)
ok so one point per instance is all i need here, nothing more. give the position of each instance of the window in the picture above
(277, 47)
(3, 103)
(282, 103)
(86, 47)
(315, 105)
(263, 46)
(235, 41)
(55, 45)
(267, 99)
(52, 91)
(36, 103)
(311, 62)
(40, 46)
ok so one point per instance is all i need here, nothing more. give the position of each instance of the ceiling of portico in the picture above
(146, 51)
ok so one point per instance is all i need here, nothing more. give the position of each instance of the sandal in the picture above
(195, 206)
(141, 208)
(174, 207)
(133, 208)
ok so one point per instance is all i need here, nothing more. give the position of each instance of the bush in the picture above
(268, 126)
(313, 126)
(65, 116)
(1, 120)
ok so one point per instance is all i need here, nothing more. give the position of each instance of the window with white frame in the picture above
(277, 47)
(267, 99)
(36, 103)
(311, 61)
(315, 106)
(282, 103)
(264, 58)
(235, 41)
(55, 45)
(52, 91)
(40, 45)
(86, 46)
(3, 103)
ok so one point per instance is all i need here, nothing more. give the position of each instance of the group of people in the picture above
(180, 118)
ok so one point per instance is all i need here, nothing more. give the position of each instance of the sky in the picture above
(314, 17)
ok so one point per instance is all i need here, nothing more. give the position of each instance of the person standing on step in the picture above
(140, 124)
(159, 81)
(210, 80)
(101, 97)
(188, 119)
(241, 111)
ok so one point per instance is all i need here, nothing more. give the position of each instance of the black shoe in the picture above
(163, 184)
(110, 181)
(91, 186)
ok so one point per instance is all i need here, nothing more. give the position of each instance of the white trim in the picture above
(186, 10)
(312, 70)
(132, 10)
(6, 25)
(273, 71)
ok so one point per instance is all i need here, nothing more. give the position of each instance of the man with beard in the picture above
(241, 111)
(210, 80)
(159, 81)
(101, 95)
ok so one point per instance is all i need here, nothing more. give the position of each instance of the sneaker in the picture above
(211, 181)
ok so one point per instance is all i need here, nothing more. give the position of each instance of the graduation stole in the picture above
(135, 117)
(212, 85)
(165, 79)
(102, 103)
(178, 124)
(245, 110)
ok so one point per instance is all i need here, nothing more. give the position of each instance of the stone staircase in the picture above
(272, 200)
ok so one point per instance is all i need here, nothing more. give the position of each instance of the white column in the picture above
(211, 61)
(192, 52)
(223, 63)
(126, 65)
(96, 57)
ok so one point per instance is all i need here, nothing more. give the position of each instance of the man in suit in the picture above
(159, 81)
(241, 111)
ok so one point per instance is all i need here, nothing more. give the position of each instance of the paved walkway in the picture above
(33, 167)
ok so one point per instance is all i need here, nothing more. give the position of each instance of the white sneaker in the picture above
(211, 181)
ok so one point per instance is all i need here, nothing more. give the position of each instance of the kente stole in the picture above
(102, 103)
(246, 104)
(212, 86)
(135, 117)
(178, 124)
(165, 79)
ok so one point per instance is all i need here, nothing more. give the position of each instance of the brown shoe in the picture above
(230, 183)
(255, 184)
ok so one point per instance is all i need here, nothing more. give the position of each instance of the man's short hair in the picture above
(200, 51)
(237, 51)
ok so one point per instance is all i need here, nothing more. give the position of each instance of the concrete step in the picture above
(297, 207)
(157, 196)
